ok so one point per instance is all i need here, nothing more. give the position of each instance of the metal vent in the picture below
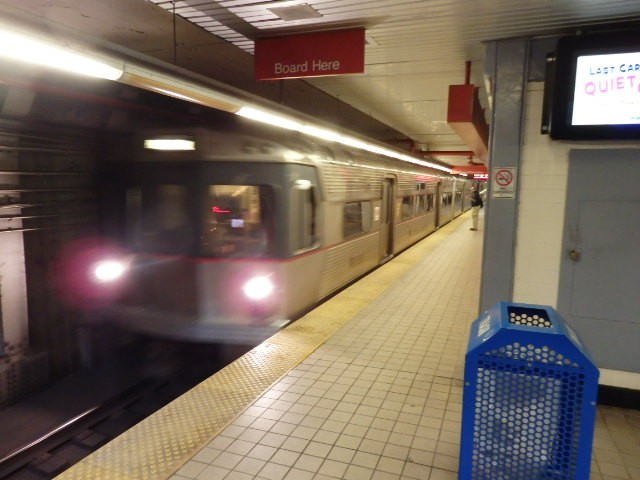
(295, 12)
(528, 422)
(532, 353)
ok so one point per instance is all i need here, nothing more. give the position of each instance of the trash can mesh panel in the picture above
(532, 353)
(529, 398)
(528, 419)
(530, 317)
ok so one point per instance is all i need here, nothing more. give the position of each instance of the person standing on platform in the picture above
(476, 205)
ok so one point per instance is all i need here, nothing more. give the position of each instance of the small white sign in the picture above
(503, 182)
(484, 326)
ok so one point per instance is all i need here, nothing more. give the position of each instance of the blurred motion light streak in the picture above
(24, 48)
(332, 136)
(172, 144)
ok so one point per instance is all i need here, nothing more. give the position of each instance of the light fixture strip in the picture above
(27, 49)
(332, 136)
(169, 144)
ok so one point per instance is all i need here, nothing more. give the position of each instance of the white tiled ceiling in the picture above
(415, 48)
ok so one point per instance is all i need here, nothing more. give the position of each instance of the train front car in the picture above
(207, 218)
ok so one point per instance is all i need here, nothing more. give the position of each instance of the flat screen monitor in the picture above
(596, 88)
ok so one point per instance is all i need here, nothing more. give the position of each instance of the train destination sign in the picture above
(338, 52)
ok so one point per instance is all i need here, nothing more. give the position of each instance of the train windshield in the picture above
(238, 221)
(158, 220)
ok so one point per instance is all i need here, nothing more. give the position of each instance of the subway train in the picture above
(226, 237)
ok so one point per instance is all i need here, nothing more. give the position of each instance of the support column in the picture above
(506, 66)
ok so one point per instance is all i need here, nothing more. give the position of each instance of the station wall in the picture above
(530, 268)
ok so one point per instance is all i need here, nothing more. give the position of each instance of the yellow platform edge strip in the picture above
(157, 447)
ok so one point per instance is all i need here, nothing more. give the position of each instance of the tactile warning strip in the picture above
(156, 447)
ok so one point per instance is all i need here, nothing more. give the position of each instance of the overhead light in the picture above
(353, 142)
(170, 144)
(172, 86)
(323, 133)
(301, 184)
(330, 135)
(25, 48)
(270, 118)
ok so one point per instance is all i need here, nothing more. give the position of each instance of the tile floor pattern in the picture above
(382, 398)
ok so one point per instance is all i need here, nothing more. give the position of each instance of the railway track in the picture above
(50, 454)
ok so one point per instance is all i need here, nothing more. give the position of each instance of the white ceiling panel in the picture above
(415, 48)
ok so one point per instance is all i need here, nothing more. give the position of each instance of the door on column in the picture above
(599, 292)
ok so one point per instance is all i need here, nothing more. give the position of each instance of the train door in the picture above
(386, 217)
(438, 203)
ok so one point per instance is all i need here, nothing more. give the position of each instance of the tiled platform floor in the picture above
(381, 398)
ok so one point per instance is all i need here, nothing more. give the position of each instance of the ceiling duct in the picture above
(465, 116)
(471, 169)
(295, 12)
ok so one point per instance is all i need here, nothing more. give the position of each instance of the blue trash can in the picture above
(529, 399)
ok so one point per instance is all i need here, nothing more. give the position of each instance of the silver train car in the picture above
(230, 239)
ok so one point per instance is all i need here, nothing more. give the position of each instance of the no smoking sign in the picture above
(503, 181)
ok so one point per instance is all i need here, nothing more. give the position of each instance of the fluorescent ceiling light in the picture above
(332, 136)
(172, 144)
(148, 79)
(26, 49)
(321, 133)
(353, 142)
(270, 118)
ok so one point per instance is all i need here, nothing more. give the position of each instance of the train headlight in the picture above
(107, 271)
(258, 288)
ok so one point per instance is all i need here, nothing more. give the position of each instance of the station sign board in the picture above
(336, 52)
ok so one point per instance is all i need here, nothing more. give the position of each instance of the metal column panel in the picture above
(506, 65)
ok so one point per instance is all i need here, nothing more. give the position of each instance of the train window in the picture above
(421, 204)
(303, 223)
(238, 221)
(447, 199)
(357, 218)
(430, 202)
(407, 208)
(157, 218)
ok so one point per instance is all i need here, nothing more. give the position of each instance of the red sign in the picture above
(504, 177)
(470, 169)
(317, 54)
